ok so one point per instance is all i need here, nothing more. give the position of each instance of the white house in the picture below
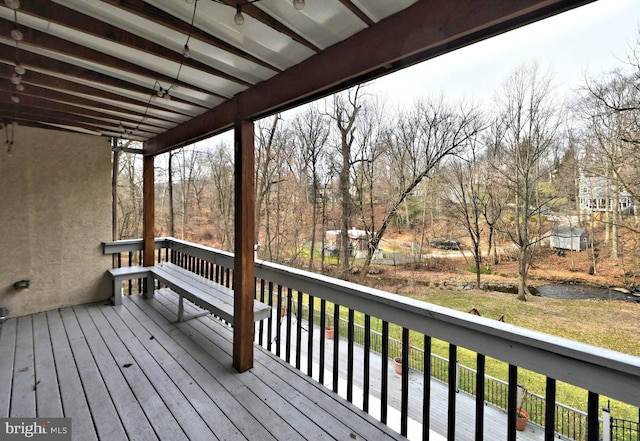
(596, 195)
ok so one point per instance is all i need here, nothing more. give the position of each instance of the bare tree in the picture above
(130, 200)
(610, 107)
(468, 196)
(220, 164)
(311, 131)
(429, 133)
(528, 125)
(368, 158)
(189, 170)
(278, 192)
(344, 113)
(265, 171)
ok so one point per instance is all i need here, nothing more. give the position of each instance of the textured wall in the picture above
(55, 209)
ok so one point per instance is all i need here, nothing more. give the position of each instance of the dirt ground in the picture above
(450, 268)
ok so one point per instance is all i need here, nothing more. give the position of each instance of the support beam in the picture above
(149, 205)
(243, 272)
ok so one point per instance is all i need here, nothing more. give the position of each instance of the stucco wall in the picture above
(55, 209)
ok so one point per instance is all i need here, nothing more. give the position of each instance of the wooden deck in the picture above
(131, 372)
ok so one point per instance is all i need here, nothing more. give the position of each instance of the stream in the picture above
(580, 292)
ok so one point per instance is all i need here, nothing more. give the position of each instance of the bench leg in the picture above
(117, 292)
(181, 309)
(150, 291)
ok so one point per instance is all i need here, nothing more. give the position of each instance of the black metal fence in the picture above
(570, 423)
(624, 430)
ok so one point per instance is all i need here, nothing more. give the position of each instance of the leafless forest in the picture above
(491, 175)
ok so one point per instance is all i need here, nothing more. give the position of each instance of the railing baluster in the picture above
(404, 401)
(287, 353)
(299, 331)
(323, 325)
(550, 410)
(593, 423)
(350, 343)
(280, 319)
(480, 383)
(426, 388)
(512, 403)
(451, 405)
(366, 362)
(129, 261)
(261, 323)
(336, 346)
(270, 319)
(385, 372)
(310, 332)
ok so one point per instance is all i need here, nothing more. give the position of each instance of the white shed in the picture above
(569, 238)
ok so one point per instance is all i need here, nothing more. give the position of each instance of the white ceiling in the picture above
(97, 65)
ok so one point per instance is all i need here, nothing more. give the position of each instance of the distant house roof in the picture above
(596, 187)
(565, 231)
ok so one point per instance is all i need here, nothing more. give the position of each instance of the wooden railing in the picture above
(599, 371)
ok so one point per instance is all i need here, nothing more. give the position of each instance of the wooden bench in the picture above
(118, 275)
(215, 298)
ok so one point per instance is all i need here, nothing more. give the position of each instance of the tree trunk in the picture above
(522, 270)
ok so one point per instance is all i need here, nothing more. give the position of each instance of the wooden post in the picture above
(243, 271)
(148, 218)
(114, 201)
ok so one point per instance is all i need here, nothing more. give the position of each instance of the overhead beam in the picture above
(75, 20)
(150, 12)
(34, 39)
(55, 101)
(52, 68)
(422, 31)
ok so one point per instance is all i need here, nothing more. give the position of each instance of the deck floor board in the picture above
(310, 420)
(24, 371)
(204, 369)
(46, 384)
(333, 414)
(7, 353)
(156, 411)
(265, 418)
(179, 404)
(103, 411)
(72, 393)
(130, 412)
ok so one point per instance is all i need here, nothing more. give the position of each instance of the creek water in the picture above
(579, 292)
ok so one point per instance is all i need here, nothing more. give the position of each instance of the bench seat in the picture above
(119, 275)
(213, 297)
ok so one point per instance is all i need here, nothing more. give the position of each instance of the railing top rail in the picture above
(126, 245)
(600, 370)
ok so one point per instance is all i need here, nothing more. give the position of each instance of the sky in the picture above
(590, 40)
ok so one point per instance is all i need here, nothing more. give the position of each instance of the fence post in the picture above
(457, 376)
(519, 395)
(606, 424)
